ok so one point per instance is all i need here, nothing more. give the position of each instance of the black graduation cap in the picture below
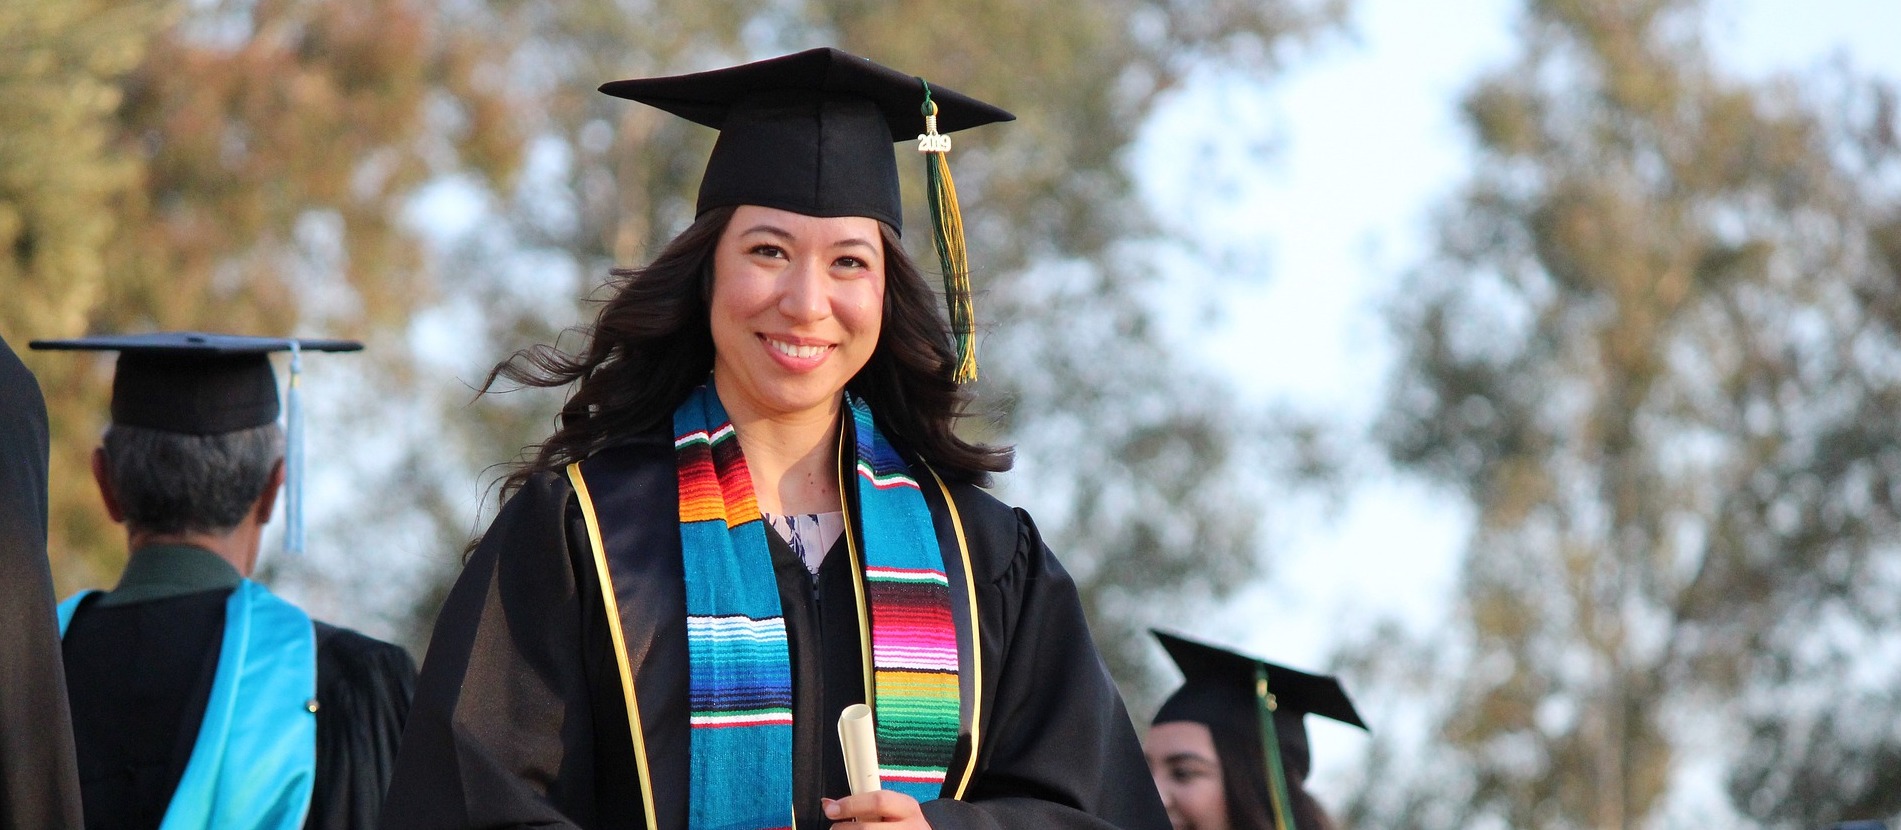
(208, 384)
(194, 383)
(1220, 689)
(811, 133)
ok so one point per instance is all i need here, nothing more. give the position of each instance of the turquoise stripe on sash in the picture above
(255, 760)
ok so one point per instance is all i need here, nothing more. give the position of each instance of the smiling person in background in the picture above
(755, 512)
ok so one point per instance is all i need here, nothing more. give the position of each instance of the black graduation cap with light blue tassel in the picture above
(195, 383)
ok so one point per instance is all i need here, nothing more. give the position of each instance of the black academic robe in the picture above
(39, 787)
(519, 718)
(141, 676)
(364, 686)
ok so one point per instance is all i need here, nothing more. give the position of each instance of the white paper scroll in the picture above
(860, 740)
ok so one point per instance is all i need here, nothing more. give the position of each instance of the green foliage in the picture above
(1656, 349)
(63, 179)
(59, 171)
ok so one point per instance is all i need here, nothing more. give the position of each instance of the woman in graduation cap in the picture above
(1229, 748)
(755, 512)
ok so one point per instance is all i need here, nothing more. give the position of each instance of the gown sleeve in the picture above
(502, 730)
(364, 687)
(39, 782)
(1057, 749)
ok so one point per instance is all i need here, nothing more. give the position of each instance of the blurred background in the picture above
(1532, 365)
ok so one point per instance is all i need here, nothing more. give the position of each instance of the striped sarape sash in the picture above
(740, 685)
(740, 689)
(913, 638)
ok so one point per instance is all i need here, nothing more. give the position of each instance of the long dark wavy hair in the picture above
(653, 343)
(1244, 784)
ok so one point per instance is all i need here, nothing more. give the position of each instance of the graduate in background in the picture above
(199, 699)
(1207, 744)
(39, 789)
(755, 512)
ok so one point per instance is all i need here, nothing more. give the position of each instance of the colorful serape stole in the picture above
(741, 686)
(740, 691)
(913, 637)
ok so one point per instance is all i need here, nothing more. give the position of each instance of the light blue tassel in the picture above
(294, 457)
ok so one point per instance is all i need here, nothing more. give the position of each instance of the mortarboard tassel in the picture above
(947, 225)
(1271, 747)
(294, 456)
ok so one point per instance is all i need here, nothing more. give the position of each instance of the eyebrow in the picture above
(1188, 756)
(781, 233)
(770, 230)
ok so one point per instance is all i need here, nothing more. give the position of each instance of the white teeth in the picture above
(798, 351)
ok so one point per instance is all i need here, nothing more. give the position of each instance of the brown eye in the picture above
(766, 250)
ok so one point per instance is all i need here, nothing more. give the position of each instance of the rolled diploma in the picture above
(860, 740)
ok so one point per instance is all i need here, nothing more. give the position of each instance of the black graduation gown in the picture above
(141, 679)
(519, 718)
(363, 690)
(39, 786)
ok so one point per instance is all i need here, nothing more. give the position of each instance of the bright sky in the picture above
(1364, 142)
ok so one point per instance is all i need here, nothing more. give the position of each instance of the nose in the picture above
(803, 294)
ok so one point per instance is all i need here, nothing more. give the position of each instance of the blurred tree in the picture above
(234, 166)
(60, 171)
(63, 176)
(1659, 349)
(1145, 477)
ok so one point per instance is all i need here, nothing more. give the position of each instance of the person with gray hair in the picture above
(199, 698)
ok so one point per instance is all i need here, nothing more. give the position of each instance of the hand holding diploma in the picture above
(868, 803)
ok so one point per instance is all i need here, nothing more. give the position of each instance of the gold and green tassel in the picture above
(947, 225)
(1282, 811)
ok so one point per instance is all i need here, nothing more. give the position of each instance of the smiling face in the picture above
(797, 305)
(1181, 756)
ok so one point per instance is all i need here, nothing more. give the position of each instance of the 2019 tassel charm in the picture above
(947, 225)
